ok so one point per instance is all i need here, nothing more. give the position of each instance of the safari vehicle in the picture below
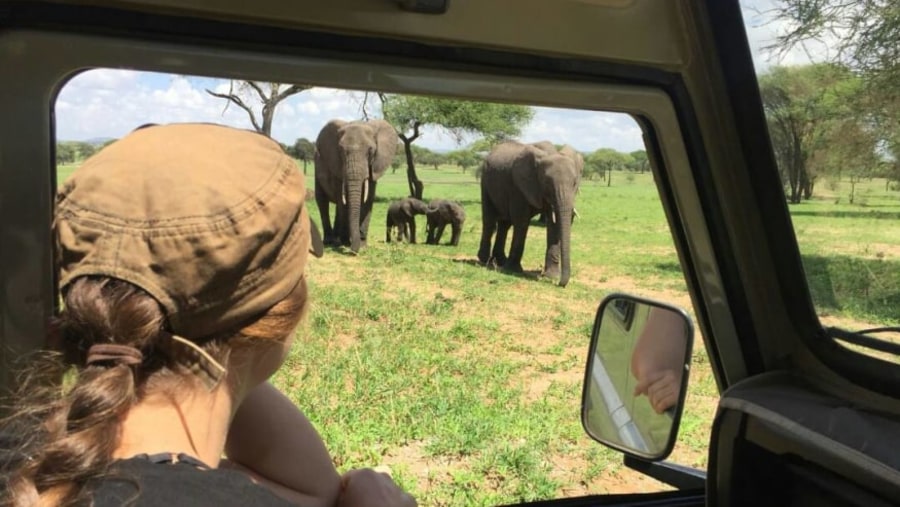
(803, 418)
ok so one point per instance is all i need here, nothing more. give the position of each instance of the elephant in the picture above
(519, 181)
(442, 212)
(402, 215)
(349, 159)
(579, 163)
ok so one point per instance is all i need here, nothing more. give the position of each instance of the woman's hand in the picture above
(365, 487)
(661, 389)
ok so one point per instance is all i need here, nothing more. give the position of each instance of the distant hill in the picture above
(95, 141)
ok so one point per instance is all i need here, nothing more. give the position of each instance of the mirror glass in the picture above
(636, 376)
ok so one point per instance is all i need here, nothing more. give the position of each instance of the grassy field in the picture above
(467, 382)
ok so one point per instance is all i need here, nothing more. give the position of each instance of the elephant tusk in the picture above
(553, 217)
(344, 197)
(366, 189)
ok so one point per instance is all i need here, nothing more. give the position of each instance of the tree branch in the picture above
(291, 90)
(262, 95)
(416, 133)
(240, 103)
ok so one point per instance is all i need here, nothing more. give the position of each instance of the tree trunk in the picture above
(416, 187)
(268, 114)
(609, 178)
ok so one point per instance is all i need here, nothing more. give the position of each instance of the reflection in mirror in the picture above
(636, 375)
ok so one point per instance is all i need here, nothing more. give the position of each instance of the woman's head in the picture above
(181, 252)
(208, 221)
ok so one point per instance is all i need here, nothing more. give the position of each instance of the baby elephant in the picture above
(440, 213)
(402, 215)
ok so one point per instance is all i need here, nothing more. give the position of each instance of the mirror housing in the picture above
(636, 376)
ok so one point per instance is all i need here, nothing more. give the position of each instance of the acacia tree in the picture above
(305, 150)
(266, 93)
(863, 36)
(810, 109)
(409, 114)
(641, 162)
(603, 161)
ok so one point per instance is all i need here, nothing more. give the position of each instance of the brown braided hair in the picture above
(66, 434)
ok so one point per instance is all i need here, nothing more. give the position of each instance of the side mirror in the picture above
(636, 377)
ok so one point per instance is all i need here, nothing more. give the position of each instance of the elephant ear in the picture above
(577, 157)
(526, 175)
(385, 146)
(326, 155)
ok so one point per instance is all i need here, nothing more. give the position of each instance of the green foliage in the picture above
(464, 159)
(863, 35)
(605, 160)
(428, 157)
(816, 125)
(640, 161)
(70, 152)
(456, 117)
(303, 149)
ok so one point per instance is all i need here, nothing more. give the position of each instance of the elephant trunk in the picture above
(357, 181)
(564, 221)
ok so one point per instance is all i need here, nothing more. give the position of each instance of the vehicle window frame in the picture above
(685, 188)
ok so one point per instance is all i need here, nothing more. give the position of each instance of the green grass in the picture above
(467, 381)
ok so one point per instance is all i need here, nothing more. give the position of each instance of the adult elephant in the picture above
(350, 157)
(518, 181)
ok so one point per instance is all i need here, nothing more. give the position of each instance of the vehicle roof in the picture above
(645, 32)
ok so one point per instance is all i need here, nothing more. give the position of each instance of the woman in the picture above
(181, 252)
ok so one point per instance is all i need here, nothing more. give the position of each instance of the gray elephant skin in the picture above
(440, 214)
(402, 216)
(350, 158)
(518, 182)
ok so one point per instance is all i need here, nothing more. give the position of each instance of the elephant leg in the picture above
(517, 248)
(456, 230)
(488, 227)
(387, 236)
(341, 225)
(323, 205)
(499, 253)
(551, 259)
(412, 230)
(366, 214)
(440, 232)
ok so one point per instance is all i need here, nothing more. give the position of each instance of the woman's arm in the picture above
(657, 362)
(272, 439)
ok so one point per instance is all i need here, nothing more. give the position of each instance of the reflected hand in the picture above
(365, 487)
(661, 389)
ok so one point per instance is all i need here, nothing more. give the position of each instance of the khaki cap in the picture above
(209, 220)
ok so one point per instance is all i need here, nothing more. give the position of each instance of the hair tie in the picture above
(118, 354)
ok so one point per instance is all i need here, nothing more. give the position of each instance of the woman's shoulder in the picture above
(142, 483)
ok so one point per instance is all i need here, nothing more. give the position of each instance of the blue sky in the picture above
(110, 103)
